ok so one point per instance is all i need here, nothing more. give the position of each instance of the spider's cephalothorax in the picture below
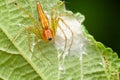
(47, 34)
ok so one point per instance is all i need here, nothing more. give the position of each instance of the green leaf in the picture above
(91, 61)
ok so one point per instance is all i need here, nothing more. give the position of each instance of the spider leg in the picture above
(37, 40)
(72, 35)
(56, 8)
(15, 37)
(65, 42)
(60, 19)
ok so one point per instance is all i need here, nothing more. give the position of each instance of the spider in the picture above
(46, 29)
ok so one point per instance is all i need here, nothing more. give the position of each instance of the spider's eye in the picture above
(49, 39)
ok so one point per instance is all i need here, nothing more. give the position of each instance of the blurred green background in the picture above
(102, 19)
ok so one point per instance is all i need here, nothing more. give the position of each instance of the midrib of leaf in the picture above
(11, 65)
(5, 31)
(23, 54)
